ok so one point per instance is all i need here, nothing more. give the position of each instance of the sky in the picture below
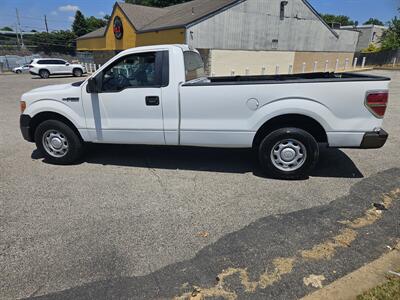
(60, 12)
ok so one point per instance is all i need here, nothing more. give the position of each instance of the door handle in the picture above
(152, 100)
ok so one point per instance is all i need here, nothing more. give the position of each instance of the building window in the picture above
(373, 36)
(282, 11)
(275, 44)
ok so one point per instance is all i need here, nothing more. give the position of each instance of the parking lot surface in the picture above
(137, 222)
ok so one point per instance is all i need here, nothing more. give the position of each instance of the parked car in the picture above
(21, 69)
(44, 67)
(158, 95)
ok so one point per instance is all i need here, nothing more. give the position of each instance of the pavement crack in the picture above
(281, 265)
(327, 249)
(322, 251)
(156, 175)
(36, 291)
(374, 214)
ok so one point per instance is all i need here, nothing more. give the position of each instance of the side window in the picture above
(60, 62)
(194, 66)
(41, 62)
(132, 71)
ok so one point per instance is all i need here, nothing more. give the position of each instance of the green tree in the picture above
(94, 23)
(6, 28)
(371, 49)
(57, 41)
(79, 26)
(156, 3)
(391, 38)
(374, 21)
(82, 25)
(342, 20)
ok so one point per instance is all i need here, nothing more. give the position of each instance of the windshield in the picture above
(194, 66)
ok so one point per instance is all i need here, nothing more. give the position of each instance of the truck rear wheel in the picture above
(288, 153)
(58, 142)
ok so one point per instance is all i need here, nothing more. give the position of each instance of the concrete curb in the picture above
(361, 280)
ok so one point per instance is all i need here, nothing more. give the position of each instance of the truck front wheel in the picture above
(288, 153)
(58, 142)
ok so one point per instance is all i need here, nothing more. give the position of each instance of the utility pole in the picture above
(20, 31)
(45, 23)
(16, 33)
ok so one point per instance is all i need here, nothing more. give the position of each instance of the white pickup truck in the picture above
(158, 95)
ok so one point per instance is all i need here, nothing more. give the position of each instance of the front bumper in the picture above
(24, 124)
(374, 139)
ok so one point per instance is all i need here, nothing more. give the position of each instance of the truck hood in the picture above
(52, 92)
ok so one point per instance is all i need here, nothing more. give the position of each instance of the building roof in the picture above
(146, 18)
(188, 13)
(363, 26)
(140, 15)
(97, 33)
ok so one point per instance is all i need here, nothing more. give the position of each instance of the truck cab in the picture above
(159, 95)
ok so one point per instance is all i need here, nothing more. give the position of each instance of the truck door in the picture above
(128, 110)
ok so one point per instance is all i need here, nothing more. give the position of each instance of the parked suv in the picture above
(44, 67)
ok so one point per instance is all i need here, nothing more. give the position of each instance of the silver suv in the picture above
(44, 67)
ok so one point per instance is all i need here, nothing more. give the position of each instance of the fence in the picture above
(337, 66)
(8, 62)
(382, 58)
(11, 61)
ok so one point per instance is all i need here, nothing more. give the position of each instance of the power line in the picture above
(43, 43)
(38, 18)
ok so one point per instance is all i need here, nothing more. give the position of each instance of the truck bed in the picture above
(277, 79)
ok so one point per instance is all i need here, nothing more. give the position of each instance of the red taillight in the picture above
(377, 102)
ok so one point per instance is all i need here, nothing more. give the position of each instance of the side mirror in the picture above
(67, 64)
(94, 85)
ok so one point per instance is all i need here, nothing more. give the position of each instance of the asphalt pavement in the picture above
(136, 222)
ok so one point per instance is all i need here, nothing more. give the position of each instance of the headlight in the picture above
(22, 105)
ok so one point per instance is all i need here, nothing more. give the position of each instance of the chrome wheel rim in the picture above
(55, 143)
(288, 155)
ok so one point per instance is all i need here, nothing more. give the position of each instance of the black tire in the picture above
(44, 74)
(73, 140)
(77, 72)
(18, 71)
(297, 142)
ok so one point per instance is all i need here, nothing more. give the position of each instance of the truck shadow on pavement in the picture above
(332, 163)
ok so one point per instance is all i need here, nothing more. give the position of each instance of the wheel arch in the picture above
(49, 115)
(304, 122)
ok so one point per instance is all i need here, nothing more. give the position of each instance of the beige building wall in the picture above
(321, 57)
(223, 62)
